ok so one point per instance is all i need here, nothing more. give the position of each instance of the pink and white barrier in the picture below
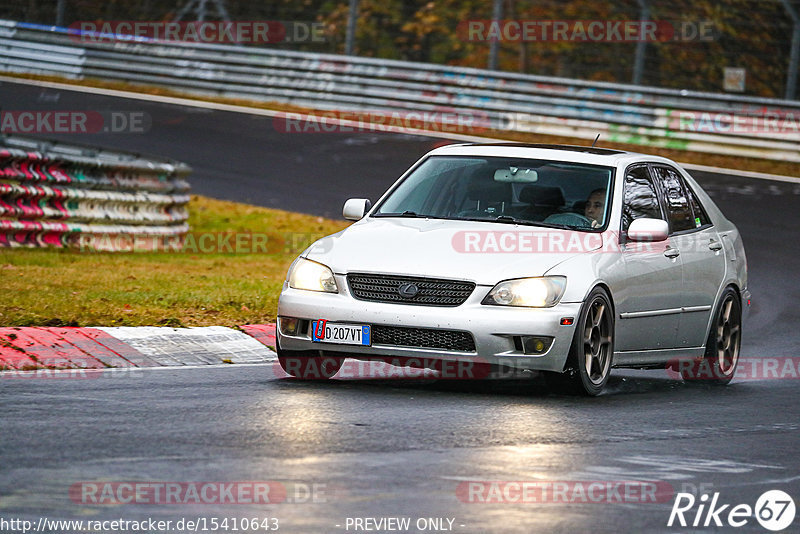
(65, 196)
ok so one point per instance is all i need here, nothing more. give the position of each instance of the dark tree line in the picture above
(750, 34)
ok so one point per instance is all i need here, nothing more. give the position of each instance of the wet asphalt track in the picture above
(399, 448)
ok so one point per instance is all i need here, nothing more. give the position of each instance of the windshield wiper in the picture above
(407, 213)
(506, 219)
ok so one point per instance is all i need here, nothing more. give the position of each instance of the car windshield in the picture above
(507, 190)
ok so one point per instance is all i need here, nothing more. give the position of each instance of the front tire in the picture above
(589, 362)
(308, 364)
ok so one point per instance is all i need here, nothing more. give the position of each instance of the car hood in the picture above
(482, 252)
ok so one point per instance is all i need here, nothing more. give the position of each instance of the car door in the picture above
(701, 250)
(648, 304)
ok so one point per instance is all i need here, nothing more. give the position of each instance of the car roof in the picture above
(570, 153)
(571, 148)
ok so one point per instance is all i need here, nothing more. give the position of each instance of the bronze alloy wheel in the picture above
(589, 363)
(597, 341)
(718, 365)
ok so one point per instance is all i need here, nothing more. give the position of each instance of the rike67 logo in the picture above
(774, 510)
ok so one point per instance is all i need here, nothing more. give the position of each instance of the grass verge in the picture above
(225, 285)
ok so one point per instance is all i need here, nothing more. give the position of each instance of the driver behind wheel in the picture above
(595, 207)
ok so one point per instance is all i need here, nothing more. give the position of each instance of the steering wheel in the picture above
(569, 219)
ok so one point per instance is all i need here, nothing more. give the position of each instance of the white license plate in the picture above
(341, 333)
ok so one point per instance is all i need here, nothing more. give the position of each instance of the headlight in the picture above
(532, 292)
(311, 276)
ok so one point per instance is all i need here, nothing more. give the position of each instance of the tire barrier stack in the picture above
(54, 195)
(684, 120)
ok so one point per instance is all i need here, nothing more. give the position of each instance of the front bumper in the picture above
(492, 327)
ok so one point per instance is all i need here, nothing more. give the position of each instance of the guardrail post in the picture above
(794, 57)
(494, 45)
(200, 9)
(350, 39)
(61, 8)
(641, 45)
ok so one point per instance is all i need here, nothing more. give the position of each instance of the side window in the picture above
(700, 217)
(680, 213)
(640, 198)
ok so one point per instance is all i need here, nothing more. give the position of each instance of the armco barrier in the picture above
(68, 196)
(703, 122)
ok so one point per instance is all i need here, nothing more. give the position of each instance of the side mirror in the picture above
(648, 230)
(355, 208)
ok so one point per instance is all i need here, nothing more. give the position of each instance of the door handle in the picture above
(714, 245)
(672, 253)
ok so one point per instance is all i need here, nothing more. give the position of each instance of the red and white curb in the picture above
(30, 348)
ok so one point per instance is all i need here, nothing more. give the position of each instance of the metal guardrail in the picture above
(703, 122)
(68, 196)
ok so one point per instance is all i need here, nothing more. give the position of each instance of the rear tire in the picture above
(308, 364)
(589, 362)
(718, 365)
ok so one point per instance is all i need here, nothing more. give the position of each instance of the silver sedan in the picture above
(557, 259)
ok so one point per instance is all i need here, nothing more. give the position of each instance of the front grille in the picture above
(432, 291)
(427, 338)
